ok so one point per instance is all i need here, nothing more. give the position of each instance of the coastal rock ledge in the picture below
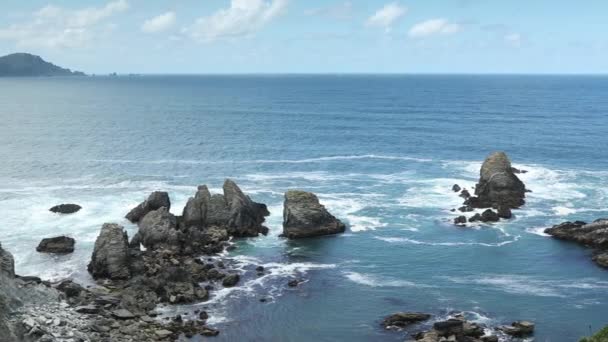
(304, 216)
(594, 235)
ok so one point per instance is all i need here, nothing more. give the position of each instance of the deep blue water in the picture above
(382, 153)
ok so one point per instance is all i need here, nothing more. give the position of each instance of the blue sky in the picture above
(312, 36)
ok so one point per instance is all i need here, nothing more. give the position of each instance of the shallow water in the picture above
(382, 153)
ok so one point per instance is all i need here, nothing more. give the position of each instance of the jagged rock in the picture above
(460, 220)
(195, 211)
(58, 245)
(498, 185)
(245, 216)
(487, 216)
(504, 212)
(456, 188)
(231, 280)
(403, 319)
(465, 194)
(111, 253)
(70, 288)
(158, 228)
(67, 208)
(518, 329)
(304, 216)
(7, 263)
(449, 327)
(155, 201)
(594, 234)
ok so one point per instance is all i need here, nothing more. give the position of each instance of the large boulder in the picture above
(58, 245)
(245, 216)
(498, 185)
(195, 211)
(156, 200)
(67, 208)
(7, 263)
(111, 253)
(158, 229)
(304, 216)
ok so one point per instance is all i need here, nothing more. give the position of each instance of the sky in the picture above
(311, 36)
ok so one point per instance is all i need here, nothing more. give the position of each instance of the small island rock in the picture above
(57, 245)
(304, 216)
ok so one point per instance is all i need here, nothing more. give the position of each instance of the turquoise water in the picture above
(382, 153)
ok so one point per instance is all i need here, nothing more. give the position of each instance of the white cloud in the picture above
(386, 16)
(242, 18)
(433, 27)
(57, 27)
(159, 23)
(513, 39)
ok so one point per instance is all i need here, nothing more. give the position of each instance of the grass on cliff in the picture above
(600, 336)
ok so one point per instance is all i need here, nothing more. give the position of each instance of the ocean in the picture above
(381, 151)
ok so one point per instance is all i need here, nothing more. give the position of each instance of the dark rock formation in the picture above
(456, 188)
(230, 280)
(457, 328)
(518, 329)
(403, 319)
(487, 216)
(67, 208)
(158, 228)
(155, 201)
(25, 64)
(111, 253)
(460, 220)
(58, 245)
(594, 235)
(195, 211)
(498, 185)
(304, 216)
(7, 263)
(504, 212)
(245, 217)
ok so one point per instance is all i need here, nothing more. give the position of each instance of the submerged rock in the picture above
(498, 185)
(403, 319)
(231, 280)
(58, 245)
(111, 253)
(155, 201)
(304, 216)
(460, 220)
(67, 208)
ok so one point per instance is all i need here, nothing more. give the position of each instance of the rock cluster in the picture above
(498, 191)
(456, 328)
(594, 235)
(57, 245)
(304, 216)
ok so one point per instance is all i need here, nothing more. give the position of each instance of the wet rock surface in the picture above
(593, 235)
(66, 208)
(57, 245)
(304, 216)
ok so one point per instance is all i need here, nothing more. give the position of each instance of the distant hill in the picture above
(25, 64)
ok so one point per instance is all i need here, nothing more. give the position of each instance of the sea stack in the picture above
(304, 216)
(111, 253)
(498, 185)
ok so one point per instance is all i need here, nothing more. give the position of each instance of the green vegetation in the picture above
(600, 336)
(25, 64)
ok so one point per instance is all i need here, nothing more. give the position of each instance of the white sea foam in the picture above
(264, 161)
(402, 240)
(540, 231)
(377, 281)
(530, 285)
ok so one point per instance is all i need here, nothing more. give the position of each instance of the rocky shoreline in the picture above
(593, 235)
(166, 262)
